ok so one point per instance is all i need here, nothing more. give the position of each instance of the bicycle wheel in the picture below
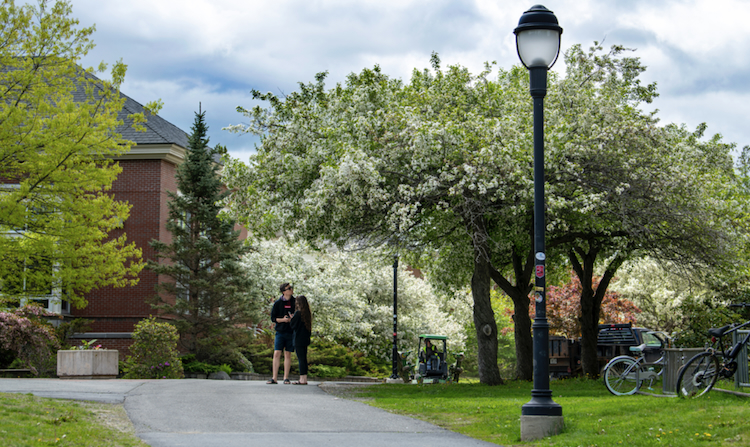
(621, 376)
(698, 375)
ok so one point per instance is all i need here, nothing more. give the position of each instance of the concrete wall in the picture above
(87, 364)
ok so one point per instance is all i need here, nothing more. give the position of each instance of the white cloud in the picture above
(700, 28)
(216, 51)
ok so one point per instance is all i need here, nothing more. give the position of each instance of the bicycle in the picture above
(702, 371)
(624, 375)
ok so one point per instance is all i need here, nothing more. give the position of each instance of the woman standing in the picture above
(302, 325)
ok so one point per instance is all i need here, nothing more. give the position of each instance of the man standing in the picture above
(281, 315)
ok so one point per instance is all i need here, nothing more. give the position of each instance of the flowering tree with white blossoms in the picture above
(659, 291)
(621, 186)
(683, 303)
(351, 296)
(444, 164)
(377, 162)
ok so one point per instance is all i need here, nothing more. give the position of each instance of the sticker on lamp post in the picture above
(540, 271)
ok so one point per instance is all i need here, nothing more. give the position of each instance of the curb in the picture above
(265, 377)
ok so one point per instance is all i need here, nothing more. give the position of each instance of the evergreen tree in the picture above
(208, 294)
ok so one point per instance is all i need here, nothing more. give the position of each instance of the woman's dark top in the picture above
(301, 334)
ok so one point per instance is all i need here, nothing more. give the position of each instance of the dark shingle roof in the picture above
(158, 130)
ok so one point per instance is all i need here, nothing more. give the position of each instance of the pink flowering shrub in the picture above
(32, 340)
(154, 352)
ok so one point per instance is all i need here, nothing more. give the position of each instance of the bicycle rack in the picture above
(741, 378)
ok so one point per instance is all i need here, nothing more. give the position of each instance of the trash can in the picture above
(675, 358)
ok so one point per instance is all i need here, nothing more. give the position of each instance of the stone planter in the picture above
(87, 364)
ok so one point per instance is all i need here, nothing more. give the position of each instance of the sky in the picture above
(214, 52)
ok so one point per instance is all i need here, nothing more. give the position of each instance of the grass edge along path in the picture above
(593, 417)
(27, 420)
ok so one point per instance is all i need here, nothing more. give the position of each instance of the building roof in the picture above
(161, 140)
(158, 130)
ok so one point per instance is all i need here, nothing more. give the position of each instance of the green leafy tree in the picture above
(622, 187)
(59, 229)
(208, 294)
(682, 303)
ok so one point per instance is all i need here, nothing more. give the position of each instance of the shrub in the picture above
(199, 367)
(238, 362)
(321, 353)
(191, 365)
(222, 348)
(154, 352)
(699, 317)
(65, 330)
(227, 353)
(327, 371)
(260, 355)
(355, 363)
(32, 340)
(6, 358)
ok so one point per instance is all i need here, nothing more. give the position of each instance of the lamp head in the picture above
(538, 37)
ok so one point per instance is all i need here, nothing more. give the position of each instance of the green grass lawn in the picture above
(27, 420)
(593, 417)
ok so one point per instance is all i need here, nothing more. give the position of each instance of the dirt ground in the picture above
(111, 415)
(345, 390)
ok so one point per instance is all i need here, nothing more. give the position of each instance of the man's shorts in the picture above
(284, 340)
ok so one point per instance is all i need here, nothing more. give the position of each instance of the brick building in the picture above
(148, 173)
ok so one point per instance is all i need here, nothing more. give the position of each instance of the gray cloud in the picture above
(215, 52)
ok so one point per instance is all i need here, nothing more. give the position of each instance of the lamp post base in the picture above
(538, 427)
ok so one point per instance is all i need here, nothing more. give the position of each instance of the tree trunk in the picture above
(589, 331)
(584, 269)
(519, 293)
(484, 321)
(591, 304)
(524, 340)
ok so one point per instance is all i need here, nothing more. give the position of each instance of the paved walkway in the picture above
(228, 413)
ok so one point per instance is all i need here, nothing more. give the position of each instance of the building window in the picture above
(28, 279)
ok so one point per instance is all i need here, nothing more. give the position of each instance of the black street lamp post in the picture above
(394, 375)
(538, 45)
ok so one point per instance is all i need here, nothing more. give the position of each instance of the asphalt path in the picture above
(228, 413)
